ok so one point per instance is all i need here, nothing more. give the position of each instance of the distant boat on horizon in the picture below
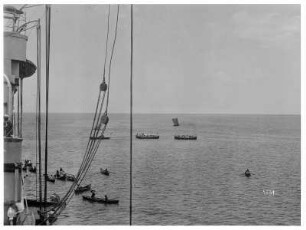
(185, 137)
(175, 122)
(147, 136)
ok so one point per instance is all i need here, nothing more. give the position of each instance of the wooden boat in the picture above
(104, 171)
(175, 122)
(61, 177)
(102, 137)
(32, 169)
(81, 189)
(146, 136)
(50, 178)
(185, 137)
(247, 173)
(36, 203)
(100, 200)
(28, 163)
(70, 177)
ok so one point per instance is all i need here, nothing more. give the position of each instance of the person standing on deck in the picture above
(8, 126)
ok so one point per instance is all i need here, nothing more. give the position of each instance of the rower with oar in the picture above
(247, 173)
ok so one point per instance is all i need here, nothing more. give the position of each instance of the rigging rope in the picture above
(110, 61)
(99, 125)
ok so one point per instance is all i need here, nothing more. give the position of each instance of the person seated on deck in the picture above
(8, 126)
(93, 193)
(106, 198)
(247, 172)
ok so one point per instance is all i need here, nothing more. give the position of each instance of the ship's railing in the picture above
(13, 19)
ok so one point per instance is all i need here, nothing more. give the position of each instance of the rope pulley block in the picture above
(104, 119)
(103, 86)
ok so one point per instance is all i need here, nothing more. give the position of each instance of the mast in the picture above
(39, 112)
(48, 18)
(131, 117)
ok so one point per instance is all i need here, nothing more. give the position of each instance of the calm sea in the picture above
(180, 182)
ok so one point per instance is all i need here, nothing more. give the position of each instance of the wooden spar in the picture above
(131, 117)
(39, 109)
(48, 17)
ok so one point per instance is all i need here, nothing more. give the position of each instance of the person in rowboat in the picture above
(247, 173)
(93, 193)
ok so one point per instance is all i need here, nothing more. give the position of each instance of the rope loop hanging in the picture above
(99, 125)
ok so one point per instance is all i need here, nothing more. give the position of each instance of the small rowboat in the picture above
(185, 137)
(28, 163)
(70, 177)
(50, 178)
(81, 189)
(32, 169)
(100, 138)
(104, 172)
(146, 136)
(61, 177)
(100, 200)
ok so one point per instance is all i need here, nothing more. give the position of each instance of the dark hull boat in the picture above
(247, 174)
(70, 177)
(104, 172)
(60, 177)
(185, 137)
(50, 178)
(32, 169)
(100, 200)
(146, 136)
(175, 122)
(100, 138)
(81, 189)
(36, 203)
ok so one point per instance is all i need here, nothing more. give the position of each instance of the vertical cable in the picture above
(21, 105)
(48, 18)
(18, 108)
(131, 118)
(38, 116)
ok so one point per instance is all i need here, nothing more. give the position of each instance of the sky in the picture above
(232, 59)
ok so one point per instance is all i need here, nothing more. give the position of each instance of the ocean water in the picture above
(179, 182)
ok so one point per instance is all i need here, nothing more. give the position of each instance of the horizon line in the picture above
(173, 113)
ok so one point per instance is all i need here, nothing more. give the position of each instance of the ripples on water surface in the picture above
(180, 182)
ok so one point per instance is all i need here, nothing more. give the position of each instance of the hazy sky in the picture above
(187, 58)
